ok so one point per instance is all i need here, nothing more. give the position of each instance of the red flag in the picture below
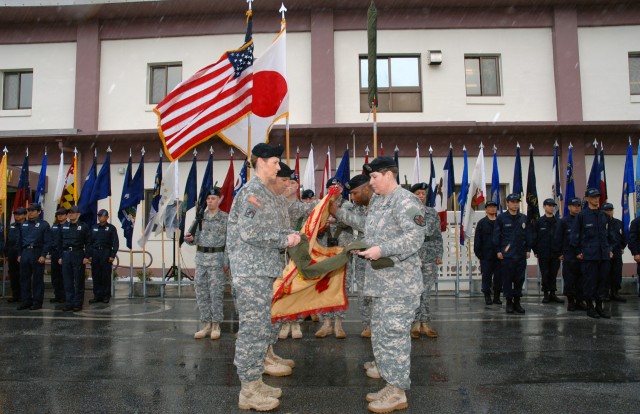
(297, 170)
(226, 192)
(214, 98)
(381, 150)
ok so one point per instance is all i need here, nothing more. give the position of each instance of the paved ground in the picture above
(139, 356)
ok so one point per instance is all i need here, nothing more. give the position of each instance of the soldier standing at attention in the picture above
(512, 240)
(104, 248)
(12, 250)
(544, 232)
(35, 244)
(486, 252)
(590, 237)
(571, 272)
(255, 237)
(56, 270)
(634, 242)
(210, 235)
(619, 242)
(430, 257)
(395, 228)
(74, 244)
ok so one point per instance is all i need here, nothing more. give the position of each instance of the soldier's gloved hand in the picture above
(293, 239)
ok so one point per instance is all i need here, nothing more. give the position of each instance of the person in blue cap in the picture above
(571, 272)
(486, 252)
(12, 251)
(74, 243)
(35, 242)
(511, 238)
(543, 235)
(104, 248)
(634, 242)
(57, 281)
(614, 280)
(592, 239)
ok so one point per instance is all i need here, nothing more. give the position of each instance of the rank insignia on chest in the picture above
(37, 225)
(250, 213)
(419, 220)
(524, 225)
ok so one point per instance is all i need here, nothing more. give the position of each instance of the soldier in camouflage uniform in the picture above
(210, 235)
(354, 215)
(431, 256)
(255, 237)
(395, 228)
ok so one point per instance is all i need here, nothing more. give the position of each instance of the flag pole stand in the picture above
(455, 228)
(130, 273)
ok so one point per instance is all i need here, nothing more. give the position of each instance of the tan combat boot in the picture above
(366, 332)
(204, 332)
(340, 334)
(315, 318)
(296, 332)
(426, 329)
(284, 331)
(415, 330)
(215, 331)
(373, 372)
(375, 396)
(390, 400)
(267, 390)
(275, 369)
(252, 399)
(288, 362)
(325, 330)
(368, 365)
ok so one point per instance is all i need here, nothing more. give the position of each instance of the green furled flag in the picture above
(372, 33)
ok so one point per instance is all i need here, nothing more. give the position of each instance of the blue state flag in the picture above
(88, 208)
(594, 175)
(570, 188)
(431, 195)
(517, 174)
(190, 194)
(342, 173)
(628, 187)
(131, 197)
(556, 188)
(102, 187)
(638, 181)
(42, 179)
(533, 209)
(207, 184)
(495, 180)
(464, 191)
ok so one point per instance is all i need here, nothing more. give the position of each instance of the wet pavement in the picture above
(139, 356)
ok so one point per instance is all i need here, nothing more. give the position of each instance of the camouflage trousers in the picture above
(390, 337)
(429, 275)
(363, 301)
(253, 298)
(209, 285)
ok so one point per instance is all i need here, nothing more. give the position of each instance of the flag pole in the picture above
(457, 243)
(110, 215)
(249, 142)
(4, 219)
(286, 134)
(375, 131)
(144, 254)
(353, 170)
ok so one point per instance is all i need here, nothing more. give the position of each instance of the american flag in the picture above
(208, 102)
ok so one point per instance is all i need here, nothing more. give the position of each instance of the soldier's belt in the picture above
(430, 238)
(204, 249)
(73, 249)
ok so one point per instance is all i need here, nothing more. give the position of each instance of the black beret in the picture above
(34, 206)
(285, 171)
(21, 210)
(263, 150)
(575, 201)
(592, 192)
(332, 181)
(103, 212)
(356, 181)
(490, 203)
(419, 186)
(549, 202)
(307, 194)
(74, 209)
(62, 211)
(513, 197)
(215, 191)
(378, 164)
(607, 206)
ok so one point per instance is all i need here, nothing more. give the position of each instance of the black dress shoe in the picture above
(56, 300)
(77, 308)
(591, 312)
(12, 300)
(554, 298)
(106, 300)
(545, 299)
(35, 307)
(95, 300)
(67, 308)
(487, 299)
(23, 307)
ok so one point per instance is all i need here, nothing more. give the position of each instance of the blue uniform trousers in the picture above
(73, 271)
(595, 274)
(101, 273)
(573, 280)
(491, 276)
(14, 273)
(31, 278)
(512, 271)
(57, 280)
(549, 267)
(614, 281)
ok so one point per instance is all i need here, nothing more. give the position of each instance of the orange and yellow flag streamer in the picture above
(69, 196)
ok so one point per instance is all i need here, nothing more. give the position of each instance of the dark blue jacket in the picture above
(36, 234)
(13, 247)
(591, 235)
(561, 244)
(511, 236)
(483, 240)
(56, 233)
(634, 236)
(104, 238)
(544, 232)
(76, 236)
(619, 239)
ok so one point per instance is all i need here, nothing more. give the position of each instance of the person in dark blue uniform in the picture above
(487, 254)
(35, 242)
(614, 281)
(56, 269)
(634, 242)
(512, 239)
(591, 238)
(74, 244)
(104, 247)
(543, 248)
(571, 271)
(12, 251)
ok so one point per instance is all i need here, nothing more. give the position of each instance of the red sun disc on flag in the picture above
(269, 90)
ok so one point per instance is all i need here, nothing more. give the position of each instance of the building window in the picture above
(482, 75)
(162, 79)
(634, 73)
(399, 88)
(17, 88)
